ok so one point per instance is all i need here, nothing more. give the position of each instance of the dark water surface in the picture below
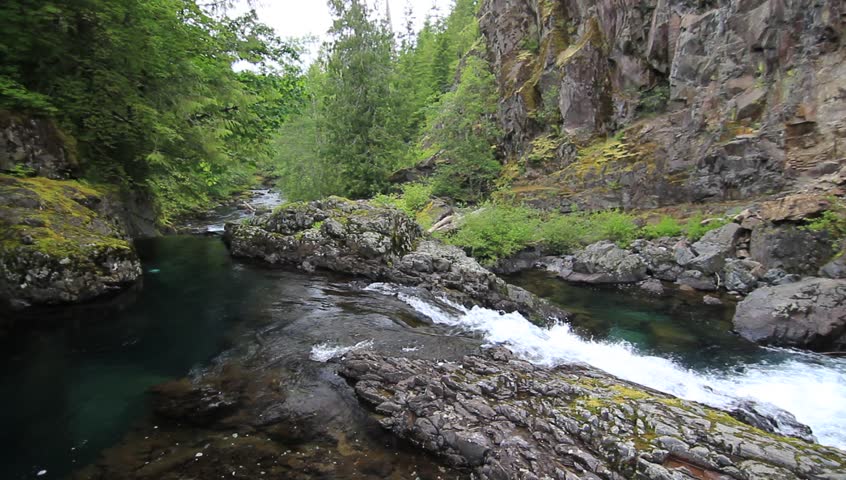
(74, 383)
(76, 380)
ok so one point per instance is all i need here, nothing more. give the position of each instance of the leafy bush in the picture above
(497, 231)
(382, 200)
(415, 196)
(613, 225)
(563, 234)
(412, 200)
(832, 221)
(666, 227)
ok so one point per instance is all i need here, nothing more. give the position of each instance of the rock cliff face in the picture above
(35, 145)
(640, 104)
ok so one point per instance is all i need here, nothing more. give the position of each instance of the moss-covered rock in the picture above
(379, 243)
(58, 244)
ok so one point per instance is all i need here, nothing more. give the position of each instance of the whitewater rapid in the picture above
(811, 387)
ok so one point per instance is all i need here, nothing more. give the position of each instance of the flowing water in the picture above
(673, 345)
(75, 380)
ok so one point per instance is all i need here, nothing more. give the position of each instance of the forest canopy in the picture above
(148, 91)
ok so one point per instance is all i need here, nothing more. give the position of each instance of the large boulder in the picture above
(503, 418)
(335, 234)
(836, 268)
(791, 248)
(59, 243)
(742, 276)
(605, 262)
(714, 248)
(807, 314)
(660, 257)
(380, 243)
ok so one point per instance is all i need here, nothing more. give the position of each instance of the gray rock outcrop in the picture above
(810, 313)
(379, 243)
(60, 242)
(505, 418)
(766, 117)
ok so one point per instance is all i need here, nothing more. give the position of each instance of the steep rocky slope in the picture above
(641, 104)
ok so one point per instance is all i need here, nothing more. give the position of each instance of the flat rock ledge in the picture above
(380, 243)
(505, 418)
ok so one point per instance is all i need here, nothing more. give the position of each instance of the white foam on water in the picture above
(324, 352)
(811, 387)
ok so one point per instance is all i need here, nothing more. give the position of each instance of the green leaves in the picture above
(462, 124)
(147, 88)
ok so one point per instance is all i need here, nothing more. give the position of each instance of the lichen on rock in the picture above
(505, 418)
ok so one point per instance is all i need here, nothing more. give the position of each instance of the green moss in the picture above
(62, 223)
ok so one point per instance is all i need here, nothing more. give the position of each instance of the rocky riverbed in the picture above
(505, 418)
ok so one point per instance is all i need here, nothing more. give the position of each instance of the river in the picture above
(75, 381)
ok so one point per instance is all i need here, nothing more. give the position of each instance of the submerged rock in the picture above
(379, 243)
(505, 418)
(810, 314)
(59, 243)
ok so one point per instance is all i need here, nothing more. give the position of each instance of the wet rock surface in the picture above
(810, 313)
(378, 243)
(504, 418)
(60, 242)
(605, 262)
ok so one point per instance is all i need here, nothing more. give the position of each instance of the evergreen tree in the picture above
(360, 108)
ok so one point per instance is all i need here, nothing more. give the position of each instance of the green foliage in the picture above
(21, 171)
(415, 196)
(666, 227)
(148, 90)
(697, 227)
(563, 234)
(615, 226)
(462, 125)
(358, 120)
(496, 231)
(413, 199)
(654, 99)
(831, 221)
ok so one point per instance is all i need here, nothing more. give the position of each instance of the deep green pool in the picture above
(74, 379)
